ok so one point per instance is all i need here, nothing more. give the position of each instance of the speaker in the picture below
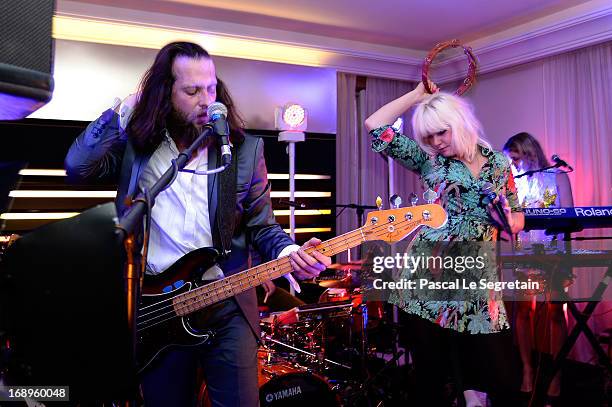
(26, 56)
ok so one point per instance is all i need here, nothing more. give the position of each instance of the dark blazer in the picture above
(103, 153)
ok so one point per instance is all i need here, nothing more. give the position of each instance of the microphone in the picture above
(560, 162)
(217, 113)
(488, 191)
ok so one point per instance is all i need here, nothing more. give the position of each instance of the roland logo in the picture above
(283, 394)
(586, 211)
(545, 211)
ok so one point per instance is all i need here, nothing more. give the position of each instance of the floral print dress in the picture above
(459, 192)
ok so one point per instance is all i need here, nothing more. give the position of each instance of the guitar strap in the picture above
(226, 207)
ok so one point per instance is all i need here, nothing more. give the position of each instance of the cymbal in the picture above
(339, 278)
(345, 266)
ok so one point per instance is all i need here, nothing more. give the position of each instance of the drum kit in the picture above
(319, 353)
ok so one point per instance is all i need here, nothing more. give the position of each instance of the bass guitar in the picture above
(167, 315)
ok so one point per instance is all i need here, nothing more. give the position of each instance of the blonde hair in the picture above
(443, 111)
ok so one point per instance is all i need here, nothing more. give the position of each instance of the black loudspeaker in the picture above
(63, 309)
(26, 56)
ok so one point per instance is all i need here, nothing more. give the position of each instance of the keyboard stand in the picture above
(556, 262)
(582, 317)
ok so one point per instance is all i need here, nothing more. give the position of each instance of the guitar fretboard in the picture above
(220, 290)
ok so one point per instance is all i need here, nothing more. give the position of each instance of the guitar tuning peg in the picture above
(413, 199)
(379, 203)
(395, 201)
(430, 196)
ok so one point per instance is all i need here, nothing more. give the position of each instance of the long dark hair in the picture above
(153, 110)
(154, 106)
(234, 119)
(529, 148)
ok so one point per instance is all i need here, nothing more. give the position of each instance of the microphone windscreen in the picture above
(487, 188)
(216, 109)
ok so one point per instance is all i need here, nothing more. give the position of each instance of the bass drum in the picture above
(285, 384)
(282, 384)
(297, 389)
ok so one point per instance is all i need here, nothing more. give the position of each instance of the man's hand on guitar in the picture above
(305, 265)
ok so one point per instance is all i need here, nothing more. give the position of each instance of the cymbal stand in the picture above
(313, 355)
(363, 311)
(367, 385)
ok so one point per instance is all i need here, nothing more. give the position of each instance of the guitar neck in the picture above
(390, 225)
(220, 290)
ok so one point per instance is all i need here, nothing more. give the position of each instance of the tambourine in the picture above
(468, 81)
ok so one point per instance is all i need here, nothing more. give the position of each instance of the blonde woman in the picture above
(452, 157)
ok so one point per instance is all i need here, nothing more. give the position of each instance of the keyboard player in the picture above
(546, 189)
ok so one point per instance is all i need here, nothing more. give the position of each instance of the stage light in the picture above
(37, 215)
(61, 194)
(308, 230)
(43, 172)
(300, 194)
(291, 117)
(298, 176)
(294, 115)
(302, 212)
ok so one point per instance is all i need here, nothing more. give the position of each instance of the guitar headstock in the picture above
(393, 225)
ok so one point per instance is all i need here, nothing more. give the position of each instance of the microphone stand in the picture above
(128, 222)
(360, 210)
(136, 211)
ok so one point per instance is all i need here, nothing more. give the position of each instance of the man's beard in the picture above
(181, 128)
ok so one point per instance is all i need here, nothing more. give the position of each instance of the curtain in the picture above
(379, 92)
(362, 175)
(348, 179)
(578, 127)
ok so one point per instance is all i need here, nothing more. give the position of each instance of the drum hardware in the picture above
(336, 339)
(304, 352)
(341, 275)
(364, 389)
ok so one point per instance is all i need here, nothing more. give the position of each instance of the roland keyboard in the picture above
(574, 219)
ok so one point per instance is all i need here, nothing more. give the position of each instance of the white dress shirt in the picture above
(180, 221)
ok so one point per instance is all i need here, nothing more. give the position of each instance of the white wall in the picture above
(510, 101)
(89, 76)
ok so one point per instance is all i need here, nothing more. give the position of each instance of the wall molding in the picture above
(580, 26)
(577, 27)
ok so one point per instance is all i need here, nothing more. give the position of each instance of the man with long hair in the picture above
(230, 211)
